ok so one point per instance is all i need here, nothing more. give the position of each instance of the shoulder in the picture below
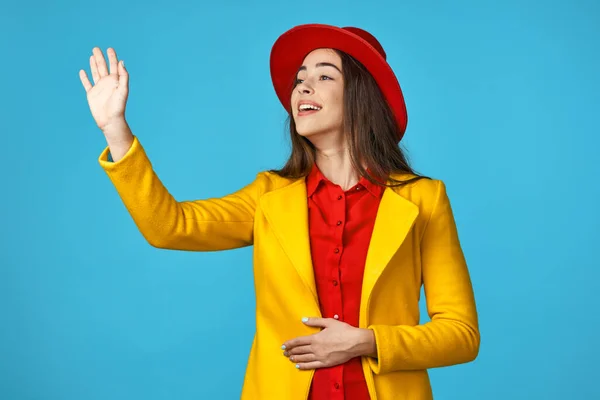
(269, 181)
(418, 187)
(424, 192)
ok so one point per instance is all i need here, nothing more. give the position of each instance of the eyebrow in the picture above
(321, 64)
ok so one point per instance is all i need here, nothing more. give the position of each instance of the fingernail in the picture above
(297, 365)
(304, 319)
(285, 353)
(283, 347)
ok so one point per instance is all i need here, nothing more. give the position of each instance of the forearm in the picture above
(119, 139)
(195, 225)
(435, 344)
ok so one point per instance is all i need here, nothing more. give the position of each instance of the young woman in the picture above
(344, 235)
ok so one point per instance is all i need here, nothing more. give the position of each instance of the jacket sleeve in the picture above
(198, 225)
(452, 334)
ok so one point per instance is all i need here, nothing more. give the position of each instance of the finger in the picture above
(112, 60)
(300, 350)
(314, 321)
(100, 62)
(303, 358)
(310, 365)
(123, 76)
(85, 81)
(94, 69)
(299, 341)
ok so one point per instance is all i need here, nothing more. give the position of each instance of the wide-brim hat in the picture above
(291, 47)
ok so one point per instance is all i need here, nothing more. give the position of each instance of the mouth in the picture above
(308, 109)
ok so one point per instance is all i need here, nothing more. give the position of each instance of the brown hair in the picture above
(371, 128)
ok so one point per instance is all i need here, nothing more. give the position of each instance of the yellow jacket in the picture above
(414, 242)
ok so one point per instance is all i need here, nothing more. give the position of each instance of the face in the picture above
(317, 99)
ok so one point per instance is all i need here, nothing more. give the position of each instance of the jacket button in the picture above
(336, 316)
(336, 385)
(335, 283)
(339, 223)
(339, 197)
(336, 250)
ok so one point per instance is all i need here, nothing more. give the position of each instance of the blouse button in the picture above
(336, 250)
(339, 223)
(339, 197)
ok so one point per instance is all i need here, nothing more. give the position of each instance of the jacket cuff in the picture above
(133, 153)
(382, 363)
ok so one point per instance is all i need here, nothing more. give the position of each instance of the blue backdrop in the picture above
(503, 101)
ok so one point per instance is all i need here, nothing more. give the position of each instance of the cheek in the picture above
(293, 99)
(337, 97)
(338, 101)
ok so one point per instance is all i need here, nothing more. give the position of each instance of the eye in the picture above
(326, 77)
(298, 81)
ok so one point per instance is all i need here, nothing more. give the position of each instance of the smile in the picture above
(308, 109)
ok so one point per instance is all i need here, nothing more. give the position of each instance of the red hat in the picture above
(289, 51)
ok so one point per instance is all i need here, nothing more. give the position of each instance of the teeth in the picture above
(304, 107)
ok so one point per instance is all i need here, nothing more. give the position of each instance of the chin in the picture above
(308, 130)
(307, 133)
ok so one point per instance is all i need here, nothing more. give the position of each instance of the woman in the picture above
(344, 234)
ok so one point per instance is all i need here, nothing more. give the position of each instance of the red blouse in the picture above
(340, 227)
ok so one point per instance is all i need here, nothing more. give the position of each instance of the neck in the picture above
(332, 156)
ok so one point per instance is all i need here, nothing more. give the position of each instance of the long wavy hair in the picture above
(371, 132)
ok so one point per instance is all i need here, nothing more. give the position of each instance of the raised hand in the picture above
(107, 97)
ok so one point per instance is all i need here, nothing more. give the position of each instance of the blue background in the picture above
(503, 101)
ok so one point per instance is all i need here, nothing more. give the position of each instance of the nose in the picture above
(304, 88)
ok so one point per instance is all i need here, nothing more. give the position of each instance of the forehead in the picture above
(322, 55)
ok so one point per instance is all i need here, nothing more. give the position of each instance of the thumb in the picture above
(314, 321)
(123, 76)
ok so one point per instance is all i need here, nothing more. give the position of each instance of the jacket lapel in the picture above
(395, 217)
(286, 211)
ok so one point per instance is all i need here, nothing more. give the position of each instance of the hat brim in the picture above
(289, 51)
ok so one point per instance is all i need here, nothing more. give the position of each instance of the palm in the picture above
(108, 96)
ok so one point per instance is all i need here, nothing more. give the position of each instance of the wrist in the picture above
(115, 128)
(119, 138)
(366, 346)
